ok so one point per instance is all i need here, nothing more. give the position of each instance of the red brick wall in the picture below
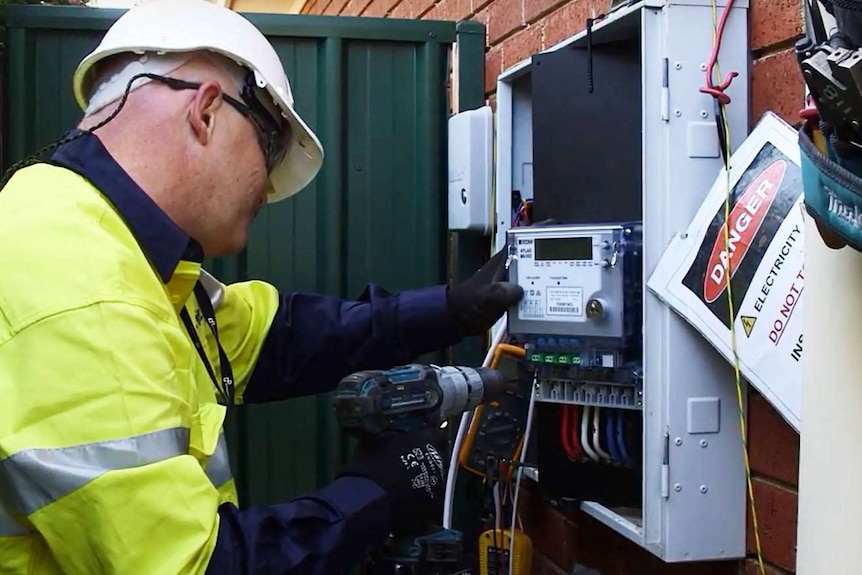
(516, 29)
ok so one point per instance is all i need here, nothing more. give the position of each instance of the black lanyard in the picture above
(226, 389)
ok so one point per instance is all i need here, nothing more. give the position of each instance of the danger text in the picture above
(791, 240)
(791, 298)
(734, 240)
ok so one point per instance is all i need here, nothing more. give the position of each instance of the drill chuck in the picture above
(464, 388)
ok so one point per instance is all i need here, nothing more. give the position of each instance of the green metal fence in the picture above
(375, 91)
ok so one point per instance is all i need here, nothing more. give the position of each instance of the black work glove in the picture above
(480, 301)
(410, 468)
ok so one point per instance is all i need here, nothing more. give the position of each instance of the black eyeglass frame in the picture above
(271, 134)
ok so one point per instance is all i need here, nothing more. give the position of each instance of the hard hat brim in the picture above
(301, 163)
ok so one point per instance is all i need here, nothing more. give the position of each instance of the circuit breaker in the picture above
(609, 135)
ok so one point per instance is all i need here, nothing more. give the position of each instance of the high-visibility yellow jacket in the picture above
(112, 453)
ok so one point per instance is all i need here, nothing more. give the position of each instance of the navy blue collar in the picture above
(164, 243)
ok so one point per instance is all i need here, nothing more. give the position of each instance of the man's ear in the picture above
(202, 111)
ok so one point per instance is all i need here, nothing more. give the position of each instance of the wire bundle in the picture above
(503, 493)
(523, 214)
(582, 434)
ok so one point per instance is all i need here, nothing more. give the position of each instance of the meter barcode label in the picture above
(564, 301)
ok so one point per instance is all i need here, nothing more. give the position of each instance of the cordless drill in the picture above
(410, 398)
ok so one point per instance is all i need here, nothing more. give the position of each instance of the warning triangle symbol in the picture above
(748, 324)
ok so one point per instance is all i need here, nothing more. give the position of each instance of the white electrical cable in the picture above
(462, 431)
(520, 473)
(585, 434)
(498, 509)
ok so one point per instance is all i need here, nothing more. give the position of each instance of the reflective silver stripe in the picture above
(8, 526)
(218, 465)
(36, 477)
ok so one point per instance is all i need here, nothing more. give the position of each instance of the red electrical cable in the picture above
(809, 112)
(564, 431)
(569, 436)
(717, 92)
(575, 433)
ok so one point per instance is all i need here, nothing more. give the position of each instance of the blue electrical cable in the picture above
(621, 441)
(610, 418)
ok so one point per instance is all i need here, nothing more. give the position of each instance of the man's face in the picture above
(231, 145)
(240, 190)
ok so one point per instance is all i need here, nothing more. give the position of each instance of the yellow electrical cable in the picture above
(731, 311)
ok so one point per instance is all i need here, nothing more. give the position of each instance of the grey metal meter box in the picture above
(609, 134)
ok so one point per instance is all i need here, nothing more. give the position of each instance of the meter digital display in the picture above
(564, 249)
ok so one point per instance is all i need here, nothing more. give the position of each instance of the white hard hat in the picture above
(179, 26)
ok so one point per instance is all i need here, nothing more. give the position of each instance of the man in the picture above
(119, 358)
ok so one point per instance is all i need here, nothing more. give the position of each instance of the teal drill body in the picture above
(411, 397)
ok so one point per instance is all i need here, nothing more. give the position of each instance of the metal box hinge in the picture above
(665, 92)
(665, 467)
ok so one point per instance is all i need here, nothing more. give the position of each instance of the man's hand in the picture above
(480, 301)
(410, 468)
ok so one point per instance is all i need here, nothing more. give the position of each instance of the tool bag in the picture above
(832, 187)
(831, 170)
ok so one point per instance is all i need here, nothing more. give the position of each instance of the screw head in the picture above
(677, 441)
(703, 443)
(703, 67)
(678, 66)
(595, 309)
(704, 114)
(677, 487)
(677, 113)
(704, 489)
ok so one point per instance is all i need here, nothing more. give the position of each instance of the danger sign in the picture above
(759, 247)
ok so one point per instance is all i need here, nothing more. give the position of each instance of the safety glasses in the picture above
(273, 136)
